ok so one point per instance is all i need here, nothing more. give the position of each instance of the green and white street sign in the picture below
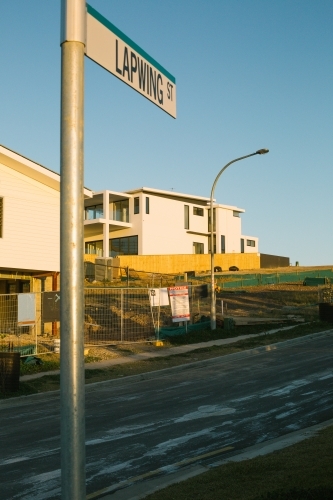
(114, 51)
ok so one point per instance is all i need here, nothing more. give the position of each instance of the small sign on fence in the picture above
(51, 307)
(158, 297)
(26, 309)
(180, 307)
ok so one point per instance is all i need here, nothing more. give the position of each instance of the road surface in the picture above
(166, 420)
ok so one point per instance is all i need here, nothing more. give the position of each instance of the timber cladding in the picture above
(173, 264)
(273, 261)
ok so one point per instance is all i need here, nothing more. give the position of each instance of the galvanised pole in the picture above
(73, 483)
(213, 296)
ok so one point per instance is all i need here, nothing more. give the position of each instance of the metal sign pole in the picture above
(71, 252)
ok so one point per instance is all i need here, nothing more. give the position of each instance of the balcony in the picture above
(96, 208)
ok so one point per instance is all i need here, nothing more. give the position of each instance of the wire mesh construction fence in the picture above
(112, 316)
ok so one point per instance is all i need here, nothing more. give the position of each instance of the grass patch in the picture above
(49, 363)
(302, 471)
(42, 384)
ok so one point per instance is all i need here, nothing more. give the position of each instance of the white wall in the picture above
(31, 221)
(163, 227)
(230, 226)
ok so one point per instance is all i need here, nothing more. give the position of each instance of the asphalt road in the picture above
(167, 420)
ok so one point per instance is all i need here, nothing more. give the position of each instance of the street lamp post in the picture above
(213, 300)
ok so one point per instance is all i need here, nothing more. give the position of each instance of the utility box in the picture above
(106, 268)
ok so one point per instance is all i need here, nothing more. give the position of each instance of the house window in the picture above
(242, 245)
(137, 205)
(198, 211)
(1, 217)
(94, 248)
(123, 246)
(222, 243)
(147, 205)
(214, 220)
(235, 213)
(186, 217)
(93, 212)
(121, 210)
(209, 245)
(250, 243)
(198, 247)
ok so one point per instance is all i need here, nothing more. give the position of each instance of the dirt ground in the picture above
(270, 301)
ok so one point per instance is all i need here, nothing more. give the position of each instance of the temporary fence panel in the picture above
(15, 337)
(117, 315)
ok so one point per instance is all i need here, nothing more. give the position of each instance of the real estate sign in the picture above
(114, 51)
(180, 307)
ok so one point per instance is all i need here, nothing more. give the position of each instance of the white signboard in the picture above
(158, 297)
(26, 309)
(114, 51)
(180, 307)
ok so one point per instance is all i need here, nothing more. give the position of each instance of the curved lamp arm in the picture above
(213, 308)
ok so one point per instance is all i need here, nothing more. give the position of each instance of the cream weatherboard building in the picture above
(146, 229)
(29, 223)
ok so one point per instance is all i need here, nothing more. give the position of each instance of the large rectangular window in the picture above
(1, 217)
(214, 220)
(250, 243)
(121, 210)
(198, 247)
(123, 246)
(137, 205)
(93, 212)
(186, 217)
(94, 248)
(222, 243)
(214, 241)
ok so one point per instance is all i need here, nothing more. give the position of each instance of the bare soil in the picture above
(271, 301)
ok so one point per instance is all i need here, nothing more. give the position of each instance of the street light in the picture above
(212, 305)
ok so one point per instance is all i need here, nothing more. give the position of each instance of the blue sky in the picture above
(250, 74)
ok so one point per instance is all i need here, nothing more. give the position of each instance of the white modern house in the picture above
(148, 221)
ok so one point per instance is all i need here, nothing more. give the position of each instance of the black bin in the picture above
(326, 311)
(9, 371)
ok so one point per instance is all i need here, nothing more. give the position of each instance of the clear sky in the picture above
(250, 74)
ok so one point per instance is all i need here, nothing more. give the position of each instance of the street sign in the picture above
(114, 51)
